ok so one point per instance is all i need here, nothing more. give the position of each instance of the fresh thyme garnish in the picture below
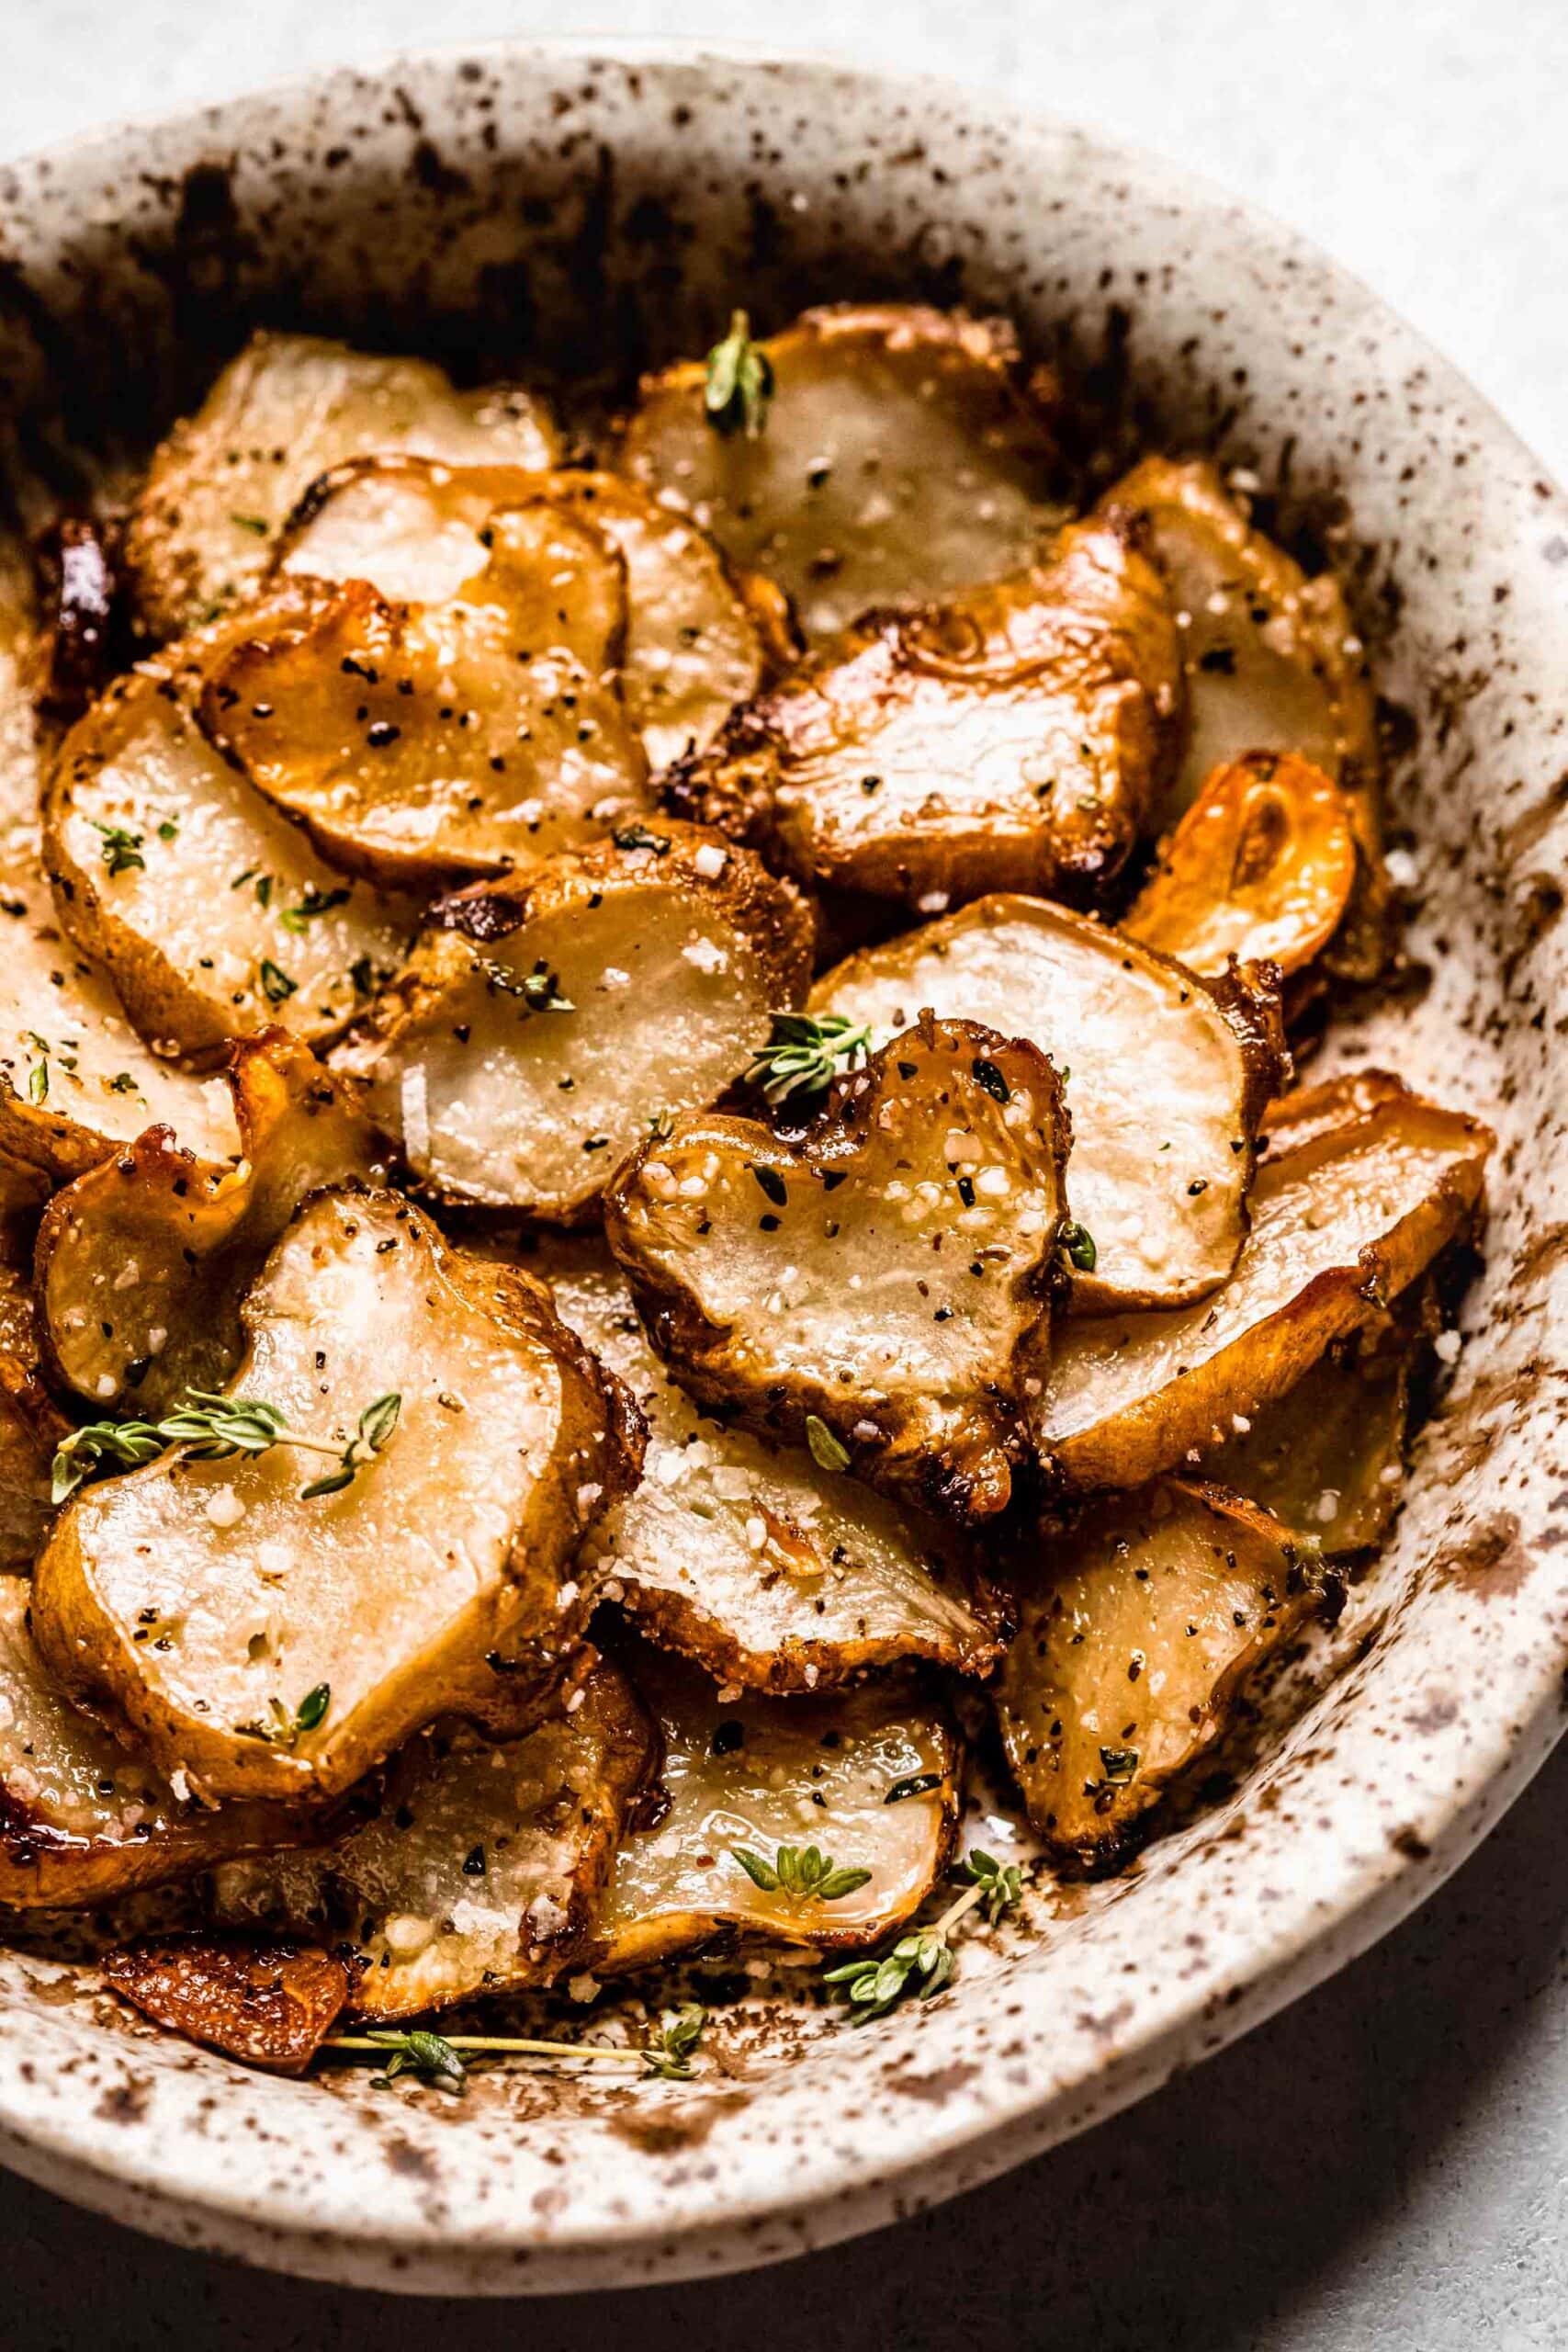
(804, 1871)
(122, 849)
(804, 1056)
(1077, 1245)
(924, 1962)
(169, 829)
(540, 989)
(276, 986)
(362, 973)
(213, 1428)
(913, 1784)
(314, 903)
(639, 837)
(282, 1729)
(669, 2055)
(826, 1450)
(738, 383)
(1119, 1765)
(437, 2058)
(38, 1081)
(255, 523)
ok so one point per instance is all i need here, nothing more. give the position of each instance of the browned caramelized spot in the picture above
(271, 2005)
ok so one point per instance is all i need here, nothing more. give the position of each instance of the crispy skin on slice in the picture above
(271, 2005)
(908, 454)
(770, 1570)
(1138, 1623)
(484, 1867)
(887, 1275)
(1363, 1183)
(419, 744)
(1262, 865)
(75, 1079)
(1166, 1076)
(141, 1263)
(543, 1026)
(1014, 737)
(761, 1773)
(1273, 664)
(221, 487)
(201, 1603)
(696, 644)
(230, 924)
(82, 1819)
(31, 1425)
(1327, 1457)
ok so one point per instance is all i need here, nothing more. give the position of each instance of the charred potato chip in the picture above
(484, 1867)
(75, 1079)
(1363, 1183)
(542, 1026)
(271, 2005)
(416, 531)
(905, 455)
(210, 912)
(142, 1262)
(868, 1776)
(82, 1820)
(883, 1282)
(1014, 737)
(1165, 1078)
(427, 743)
(1261, 866)
(1273, 664)
(1138, 1625)
(772, 1570)
(276, 1627)
(221, 487)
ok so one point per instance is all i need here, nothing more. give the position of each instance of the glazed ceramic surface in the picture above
(581, 215)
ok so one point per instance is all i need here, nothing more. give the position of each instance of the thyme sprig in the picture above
(803, 1871)
(438, 2058)
(738, 382)
(214, 1428)
(803, 1055)
(122, 849)
(924, 1960)
(539, 989)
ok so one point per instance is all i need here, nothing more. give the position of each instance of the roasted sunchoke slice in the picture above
(82, 1820)
(770, 1569)
(271, 2005)
(75, 1079)
(142, 1262)
(428, 744)
(1273, 664)
(887, 1277)
(32, 1424)
(484, 1867)
(695, 646)
(1327, 1457)
(542, 1026)
(212, 914)
(907, 454)
(1362, 1184)
(869, 1777)
(1262, 865)
(1016, 737)
(1137, 1625)
(222, 484)
(1166, 1077)
(279, 1642)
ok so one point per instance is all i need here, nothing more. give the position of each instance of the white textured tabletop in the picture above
(1385, 2165)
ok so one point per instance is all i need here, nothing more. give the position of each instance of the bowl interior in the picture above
(579, 218)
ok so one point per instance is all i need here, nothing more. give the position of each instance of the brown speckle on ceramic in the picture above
(573, 213)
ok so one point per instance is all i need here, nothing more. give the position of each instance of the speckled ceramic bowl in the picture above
(591, 210)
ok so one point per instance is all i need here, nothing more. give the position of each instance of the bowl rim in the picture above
(178, 2191)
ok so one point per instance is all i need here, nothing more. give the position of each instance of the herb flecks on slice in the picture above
(314, 904)
(738, 382)
(826, 1450)
(804, 1873)
(924, 1960)
(122, 849)
(803, 1055)
(1077, 1245)
(214, 1428)
(669, 2054)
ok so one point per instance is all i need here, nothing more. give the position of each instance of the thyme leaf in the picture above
(738, 382)
(803, 1871)
(1077, 1245)
(826, 1450)
(803, 1055)
(214, 1428)
(122, 848)
(924, 1960)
